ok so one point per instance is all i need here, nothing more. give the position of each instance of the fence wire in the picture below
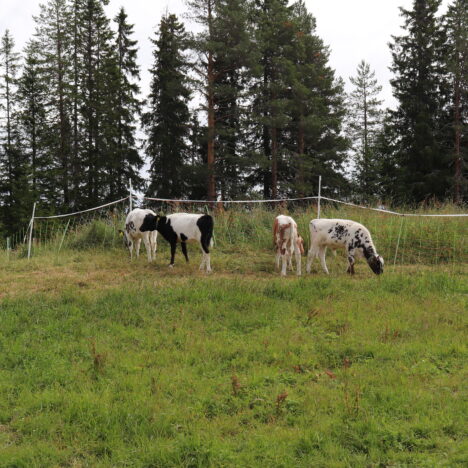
(414, 238)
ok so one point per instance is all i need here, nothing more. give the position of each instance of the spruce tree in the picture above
(33, 97)
(421, 89)
(166, 121)
(15, 195)
(456, 26)
(126, 159)
(54, 41)
(98, 76)
(364, 124)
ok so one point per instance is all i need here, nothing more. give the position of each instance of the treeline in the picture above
(247, 107)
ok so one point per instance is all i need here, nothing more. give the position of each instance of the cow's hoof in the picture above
(171, 266)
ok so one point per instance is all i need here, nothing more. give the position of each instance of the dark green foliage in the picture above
(421, 87)
(167, 120)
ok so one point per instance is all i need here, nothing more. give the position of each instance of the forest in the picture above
(248, 106)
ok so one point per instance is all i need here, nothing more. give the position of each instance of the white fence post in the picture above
(319, 194)
(8, 248)
(130, 190)
(31, 231)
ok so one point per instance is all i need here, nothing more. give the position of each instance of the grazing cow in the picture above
(133, 234)
(345, 234)
(287, 241)
(183, 228)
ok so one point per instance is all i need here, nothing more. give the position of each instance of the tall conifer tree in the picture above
(166, 121)
(456, 25)
(126, 160)
(364, 124)
(421, 88)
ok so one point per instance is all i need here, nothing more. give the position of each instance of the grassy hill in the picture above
(106, 363)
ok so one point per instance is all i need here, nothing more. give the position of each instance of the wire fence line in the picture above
(412, 242)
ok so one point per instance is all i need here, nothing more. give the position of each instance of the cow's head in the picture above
(150, 223)
(376, 262)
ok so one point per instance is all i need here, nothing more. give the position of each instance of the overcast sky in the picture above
(353, 30)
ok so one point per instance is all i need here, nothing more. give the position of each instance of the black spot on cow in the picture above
(330, 230)
(205, 224)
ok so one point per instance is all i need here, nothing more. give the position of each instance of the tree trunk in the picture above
(274, 163)
(211, 189)
(457, 127)
(300, 156)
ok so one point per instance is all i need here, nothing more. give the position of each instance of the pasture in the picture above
(106, 363)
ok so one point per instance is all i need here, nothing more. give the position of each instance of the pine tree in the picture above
(364, 124)
(127, 160)
(203, 12)
(312, 138)
(274, 33)
(421, 89)
(166, 121)
(232, 59)
(456, 26)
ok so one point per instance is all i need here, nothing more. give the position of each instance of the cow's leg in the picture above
(284, 263)
(207, 262)
(147, 241)
(277, 260)
(137, 247)
(130, 247)
(173, 250)
(351, 261)
(321, 255)
(297, 254)
(184, 250)
(311, 254)
(154, 244)
(205, 257)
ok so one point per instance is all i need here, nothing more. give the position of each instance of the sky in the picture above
(354, 30)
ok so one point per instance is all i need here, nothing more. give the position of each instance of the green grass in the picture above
(106, 363)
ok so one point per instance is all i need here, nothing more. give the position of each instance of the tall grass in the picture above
(408, 240)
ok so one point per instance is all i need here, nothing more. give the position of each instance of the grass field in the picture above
(104, 363)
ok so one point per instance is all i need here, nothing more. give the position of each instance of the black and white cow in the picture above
(345, 234)
(183, 228)
(133, 234)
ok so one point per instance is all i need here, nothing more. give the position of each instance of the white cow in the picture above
(287, 241)
(133, 235)
(345, 234)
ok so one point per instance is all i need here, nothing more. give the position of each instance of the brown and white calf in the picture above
(345, 234)
(287, 242)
